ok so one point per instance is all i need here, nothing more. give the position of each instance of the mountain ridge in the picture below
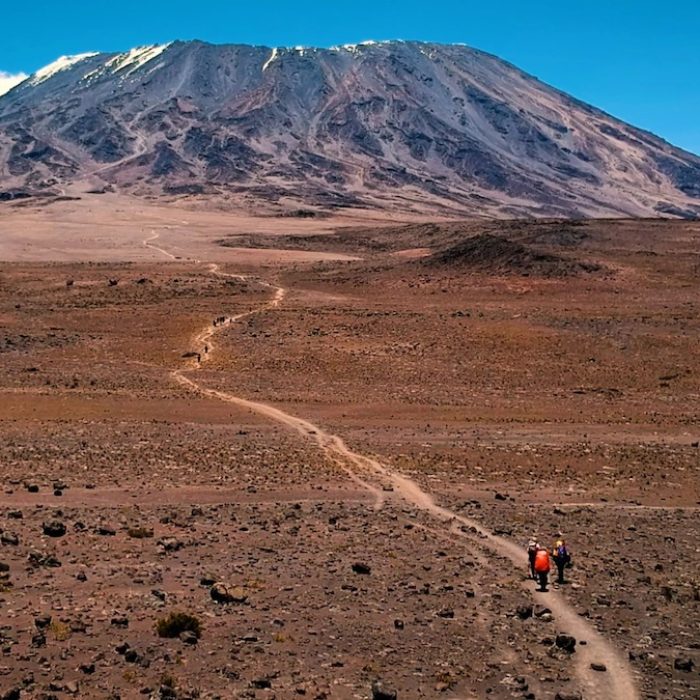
(391, 125)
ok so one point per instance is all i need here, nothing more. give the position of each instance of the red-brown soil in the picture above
(420, 420)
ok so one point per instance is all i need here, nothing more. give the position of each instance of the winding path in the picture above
(615, 684)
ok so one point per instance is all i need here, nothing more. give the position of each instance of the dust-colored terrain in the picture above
(358, 451)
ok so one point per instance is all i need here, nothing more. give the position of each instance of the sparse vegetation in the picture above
(140, 533)
(59, 630)
(174, 624)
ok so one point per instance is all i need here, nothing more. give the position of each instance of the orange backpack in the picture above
(542, 564)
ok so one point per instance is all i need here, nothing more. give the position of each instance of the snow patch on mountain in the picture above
(132, 60)
(273, 57)
(59, 65)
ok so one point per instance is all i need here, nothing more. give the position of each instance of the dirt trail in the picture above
(616, 683)
(148, 243)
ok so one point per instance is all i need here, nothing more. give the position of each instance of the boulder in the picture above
(566, 642)
(54, 528)
(381, 692)
(223, 593)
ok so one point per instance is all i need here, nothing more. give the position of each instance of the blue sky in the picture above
(638, 60)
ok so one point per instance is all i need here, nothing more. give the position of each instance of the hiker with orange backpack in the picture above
(542, 567)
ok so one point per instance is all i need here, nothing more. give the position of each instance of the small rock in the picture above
(683, 663)
(222, 593)
(380, 692)
(566, 642)
(54, 528)
(42, 622)
(601, 668)
(188, 637)
(361, 569)
(131, 656)
(524, 611)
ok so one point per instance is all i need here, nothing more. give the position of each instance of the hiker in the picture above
(532, 547)
(561, 556)
(542, 567)
(199, 358)
(206, 349)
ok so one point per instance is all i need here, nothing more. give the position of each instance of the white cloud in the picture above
(9, 80)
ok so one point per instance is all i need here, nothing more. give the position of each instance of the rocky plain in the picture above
(168, 531)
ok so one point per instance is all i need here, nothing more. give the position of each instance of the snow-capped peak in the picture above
(354, 48)
(132, 60)
(59, 65)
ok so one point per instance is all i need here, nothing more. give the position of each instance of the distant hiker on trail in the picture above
(561, 556)
(532, 547)
(206, 349)
(542, 567)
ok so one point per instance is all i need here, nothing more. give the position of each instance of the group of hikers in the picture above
(540, 560)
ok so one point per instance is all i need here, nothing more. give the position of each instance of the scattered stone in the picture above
(683, 663)
(42, 622)
(222, 593)
(47, 560)
(380, 692)
(361, 569)
(188, 637)
(524, 611)
(170, 544)
(54, 528)
(566, 642)
(601, 668)
(131, 656)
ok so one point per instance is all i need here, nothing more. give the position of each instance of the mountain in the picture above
(407, 126)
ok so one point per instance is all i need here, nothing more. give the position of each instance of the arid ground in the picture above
(330, 450)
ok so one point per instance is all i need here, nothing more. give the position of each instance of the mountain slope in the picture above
(401, 125)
